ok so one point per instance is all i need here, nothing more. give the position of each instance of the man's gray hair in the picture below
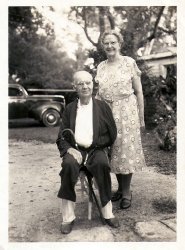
(80, 72)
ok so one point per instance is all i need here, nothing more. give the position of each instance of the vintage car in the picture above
(47, 109)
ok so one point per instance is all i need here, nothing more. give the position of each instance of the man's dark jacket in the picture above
(104, 127)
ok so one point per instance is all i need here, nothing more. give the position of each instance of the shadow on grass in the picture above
(165, 205)
(163, 161)
(23, 123)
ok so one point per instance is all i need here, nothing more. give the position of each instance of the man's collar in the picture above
(82, 105)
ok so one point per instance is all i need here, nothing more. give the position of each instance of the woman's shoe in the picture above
(116, 196)
(125, 202)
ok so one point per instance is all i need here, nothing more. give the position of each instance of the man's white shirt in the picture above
(84, 124)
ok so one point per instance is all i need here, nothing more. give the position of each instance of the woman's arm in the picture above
(137, 86)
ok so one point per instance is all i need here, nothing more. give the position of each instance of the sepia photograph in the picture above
(92, 124)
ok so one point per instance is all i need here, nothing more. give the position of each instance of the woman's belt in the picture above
(117, 97)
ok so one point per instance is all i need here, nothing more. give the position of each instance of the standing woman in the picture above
(120, 86)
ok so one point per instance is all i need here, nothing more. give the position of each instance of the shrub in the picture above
(160, 107)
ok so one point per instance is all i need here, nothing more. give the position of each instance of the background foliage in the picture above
(36, 58)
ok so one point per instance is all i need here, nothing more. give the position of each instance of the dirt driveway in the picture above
(34, 213)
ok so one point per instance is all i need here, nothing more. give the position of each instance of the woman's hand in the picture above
(142, 123)
(76, 154)
(142, 126)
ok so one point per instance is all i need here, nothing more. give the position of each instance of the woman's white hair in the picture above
(114, 33)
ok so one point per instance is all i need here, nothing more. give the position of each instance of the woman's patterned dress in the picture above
(115, 87)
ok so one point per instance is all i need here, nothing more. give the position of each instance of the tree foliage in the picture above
(139, 25)
(34, 55)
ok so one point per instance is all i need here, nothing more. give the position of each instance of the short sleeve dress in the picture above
(115, 87)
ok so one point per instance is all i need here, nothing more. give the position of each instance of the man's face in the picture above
(84, 84)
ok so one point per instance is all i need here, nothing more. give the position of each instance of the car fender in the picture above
(38, 109)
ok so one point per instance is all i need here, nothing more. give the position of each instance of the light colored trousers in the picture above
(67, 208)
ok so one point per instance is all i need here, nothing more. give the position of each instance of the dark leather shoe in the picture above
(125, 202)
(66, 228)
(116, 196)
(113, 222)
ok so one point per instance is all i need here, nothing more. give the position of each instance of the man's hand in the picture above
(76, 154)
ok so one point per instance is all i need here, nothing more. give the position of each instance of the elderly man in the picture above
(94, 128)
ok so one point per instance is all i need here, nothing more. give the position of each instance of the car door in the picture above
(16, 103)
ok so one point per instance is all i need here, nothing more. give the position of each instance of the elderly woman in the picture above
(120, 86)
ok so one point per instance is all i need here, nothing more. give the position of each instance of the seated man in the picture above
(94, 128)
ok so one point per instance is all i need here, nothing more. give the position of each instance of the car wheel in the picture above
(51, 118)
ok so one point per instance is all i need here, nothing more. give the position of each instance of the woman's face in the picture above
(111, 45)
